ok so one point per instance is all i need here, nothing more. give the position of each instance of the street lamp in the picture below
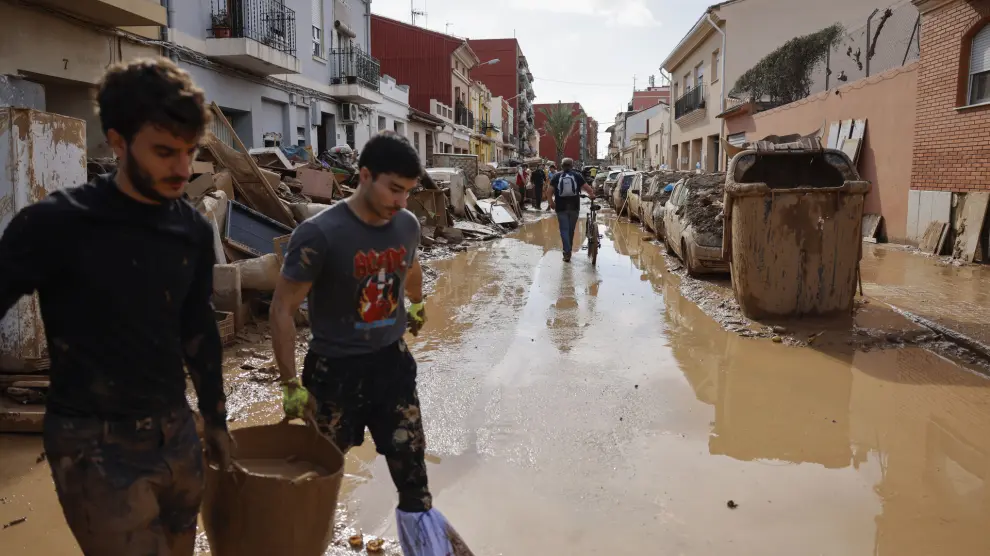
(491, 62)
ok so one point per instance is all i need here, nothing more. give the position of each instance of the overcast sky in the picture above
(601, 42)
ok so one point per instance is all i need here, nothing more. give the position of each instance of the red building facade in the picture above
(502, 79)
(416, 57)
(650, 97)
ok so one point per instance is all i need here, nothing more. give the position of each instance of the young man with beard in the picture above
(356, 262)
(123, 268)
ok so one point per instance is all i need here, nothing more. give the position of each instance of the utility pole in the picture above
(447, 28)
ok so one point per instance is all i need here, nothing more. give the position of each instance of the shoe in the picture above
(567, 258)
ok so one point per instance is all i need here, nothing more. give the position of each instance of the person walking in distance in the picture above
(356, 262)
(123, 267)
(565, 188)
(539, 179)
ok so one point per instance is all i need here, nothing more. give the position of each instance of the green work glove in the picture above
(416, 317)
(296, 400)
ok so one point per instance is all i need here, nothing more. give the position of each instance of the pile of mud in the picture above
(705, 206)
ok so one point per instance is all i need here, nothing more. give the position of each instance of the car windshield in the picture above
(627, 181)
(613, 175)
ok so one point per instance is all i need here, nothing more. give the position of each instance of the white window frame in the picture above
(317, 42)
(979, 63)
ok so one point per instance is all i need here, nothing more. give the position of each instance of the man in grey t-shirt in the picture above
(356, 262)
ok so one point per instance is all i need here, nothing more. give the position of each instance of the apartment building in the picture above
(651, 96)
(437, 68)
(52, 56)
(657, 136)
(510, 79)
(727, 40)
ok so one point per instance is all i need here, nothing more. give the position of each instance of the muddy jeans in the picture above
(567, 221)
(377, 391)
(124, 485)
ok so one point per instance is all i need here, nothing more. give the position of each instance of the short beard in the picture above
(142, 181)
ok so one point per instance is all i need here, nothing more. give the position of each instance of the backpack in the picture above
(567, 185)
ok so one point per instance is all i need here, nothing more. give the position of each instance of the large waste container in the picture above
(793, 231)
(286, 502)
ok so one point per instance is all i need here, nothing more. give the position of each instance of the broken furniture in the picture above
(793, 230)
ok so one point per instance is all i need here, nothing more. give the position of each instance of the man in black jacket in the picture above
(123, 267)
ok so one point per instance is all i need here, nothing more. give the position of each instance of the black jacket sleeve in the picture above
(27, 258)
(201, 344)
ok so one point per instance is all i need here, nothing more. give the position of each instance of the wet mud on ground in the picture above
(579, 410)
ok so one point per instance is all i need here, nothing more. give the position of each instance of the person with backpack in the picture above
(566, 187)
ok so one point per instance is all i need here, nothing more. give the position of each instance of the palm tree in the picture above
(560, 124)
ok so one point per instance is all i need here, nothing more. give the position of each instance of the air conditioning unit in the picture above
(349, 113)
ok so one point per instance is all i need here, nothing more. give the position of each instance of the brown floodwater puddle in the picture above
(579, 410)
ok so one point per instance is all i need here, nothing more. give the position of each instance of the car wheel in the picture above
(686, 257)
(670, 250)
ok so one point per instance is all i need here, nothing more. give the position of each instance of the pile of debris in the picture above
(706, 205)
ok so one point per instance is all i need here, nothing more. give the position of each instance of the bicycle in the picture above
(591, 231)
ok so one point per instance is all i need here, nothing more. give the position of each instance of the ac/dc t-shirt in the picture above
(358, 272)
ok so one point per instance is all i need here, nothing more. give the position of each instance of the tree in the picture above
(784, 75)
(560, 124)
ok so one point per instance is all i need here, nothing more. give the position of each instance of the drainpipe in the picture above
(367, 27)
(721, 78)
(169, 21)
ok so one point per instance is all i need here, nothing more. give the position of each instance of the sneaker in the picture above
(567, 257)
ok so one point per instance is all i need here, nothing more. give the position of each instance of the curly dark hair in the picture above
(151, 91)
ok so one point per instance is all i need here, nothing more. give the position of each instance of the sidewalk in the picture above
(957, 298)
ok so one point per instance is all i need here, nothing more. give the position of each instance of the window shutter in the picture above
(979, 60)
(317, 11)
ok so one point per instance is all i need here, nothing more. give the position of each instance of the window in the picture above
(316, 13)
(416, 140)
(699, 75)
(381, 123)
(400, 128)
(979, 68)
(687, 83)
(716, 61)
(317, 42)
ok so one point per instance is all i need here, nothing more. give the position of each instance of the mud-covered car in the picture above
(620, 190)
(693, 224)
(648, 200)
(611, 178)
(634, 196)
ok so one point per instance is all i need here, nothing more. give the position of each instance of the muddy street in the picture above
(579, 410)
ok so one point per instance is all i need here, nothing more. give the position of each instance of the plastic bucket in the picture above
(286, 502)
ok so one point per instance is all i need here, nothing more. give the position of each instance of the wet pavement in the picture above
(931, 287)
(579, 410)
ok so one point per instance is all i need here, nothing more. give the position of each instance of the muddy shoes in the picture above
(429, 534)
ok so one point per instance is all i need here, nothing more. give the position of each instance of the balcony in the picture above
(463, 116)
(115, 13)
(258, 36)
(355, 76)
(690, 102)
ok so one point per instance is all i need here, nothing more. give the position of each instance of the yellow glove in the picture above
(416, 317)
(297, 401)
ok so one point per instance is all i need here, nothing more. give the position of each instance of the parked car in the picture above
(625, 181)
(659, 206)
(633, 198)
(611, 178)
(647, 202)
(700, 253)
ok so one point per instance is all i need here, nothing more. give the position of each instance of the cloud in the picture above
(614, 13)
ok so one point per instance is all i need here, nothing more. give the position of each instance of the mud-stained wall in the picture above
(887, 101)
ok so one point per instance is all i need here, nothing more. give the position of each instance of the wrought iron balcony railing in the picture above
(690, 101)
(266, 21)
(352, 65)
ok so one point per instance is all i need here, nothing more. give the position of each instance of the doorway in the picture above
(326, 133)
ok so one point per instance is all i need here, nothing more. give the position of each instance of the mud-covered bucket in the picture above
(285, 501)
(793, 231)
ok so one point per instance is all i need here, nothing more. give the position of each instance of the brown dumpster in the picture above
(286, 501)
(793, 237)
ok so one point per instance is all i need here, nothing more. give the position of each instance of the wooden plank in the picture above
(871, 225)
(833, 135)
(940, 248)
(929, 241)
(970, 225)
(252, 183)
(852, 149)
(858, 130)
(845, 130)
